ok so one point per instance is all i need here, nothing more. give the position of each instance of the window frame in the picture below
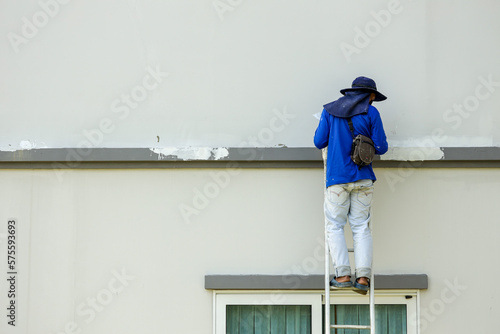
(224, 298)
(384, 297)
(315, 299)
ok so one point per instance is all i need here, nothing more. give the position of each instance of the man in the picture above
(350, 187)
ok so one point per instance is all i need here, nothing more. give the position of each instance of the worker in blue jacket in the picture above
(350, 187)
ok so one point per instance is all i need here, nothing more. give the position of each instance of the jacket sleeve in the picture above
(322, 132)
(378, 134)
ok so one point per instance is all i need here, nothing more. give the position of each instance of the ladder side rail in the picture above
(372, 303)
(324, 153)
(372, 291)
(327, 285)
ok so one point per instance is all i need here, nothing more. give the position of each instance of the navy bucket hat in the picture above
(367, 85)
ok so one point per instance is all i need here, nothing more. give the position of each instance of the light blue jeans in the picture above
(350, 201)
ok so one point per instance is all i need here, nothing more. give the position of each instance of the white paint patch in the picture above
(220, 152)
(191, 153)
(413, 154)
(27, 145)
(23, 145)
(7, 149)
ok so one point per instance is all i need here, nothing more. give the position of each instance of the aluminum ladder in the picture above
(328, 289)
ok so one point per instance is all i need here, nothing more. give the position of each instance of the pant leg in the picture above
(337, 202)
(359, 220)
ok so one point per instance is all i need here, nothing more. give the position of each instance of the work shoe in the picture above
(364, 288)
(340, 285)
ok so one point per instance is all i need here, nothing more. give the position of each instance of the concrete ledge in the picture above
(305, 282)
(243, 157)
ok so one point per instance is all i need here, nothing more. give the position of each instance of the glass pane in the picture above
(389, 319)
(268, 319)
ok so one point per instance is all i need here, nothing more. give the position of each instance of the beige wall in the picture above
(117, 238)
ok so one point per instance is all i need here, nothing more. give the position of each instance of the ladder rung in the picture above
(350, 326)
(350, 250)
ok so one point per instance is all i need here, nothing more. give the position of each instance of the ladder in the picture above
(328, 325)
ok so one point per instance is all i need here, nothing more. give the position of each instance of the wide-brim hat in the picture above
(367, 85)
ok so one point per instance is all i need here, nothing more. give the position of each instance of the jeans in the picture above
(353, 201)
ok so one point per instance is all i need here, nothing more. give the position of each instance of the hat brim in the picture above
(378, 96)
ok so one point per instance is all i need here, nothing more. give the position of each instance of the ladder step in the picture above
(350, 326)
(350, 250)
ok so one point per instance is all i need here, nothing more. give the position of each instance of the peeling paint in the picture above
(220, 153)
(413, 153)
(191, 153)
(23, 145)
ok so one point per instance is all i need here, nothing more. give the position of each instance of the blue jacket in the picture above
(334, 132)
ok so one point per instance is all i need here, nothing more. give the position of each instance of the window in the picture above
(250, 319)
(267, 313)
(237, 312)
(390, 319)
(395, 311)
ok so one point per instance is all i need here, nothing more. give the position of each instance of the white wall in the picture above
(66, 70)
(77, 235)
